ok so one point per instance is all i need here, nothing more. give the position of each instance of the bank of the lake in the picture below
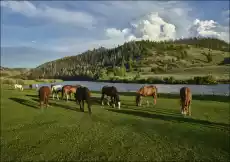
(218, 89)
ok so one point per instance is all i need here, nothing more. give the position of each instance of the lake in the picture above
(219, 89)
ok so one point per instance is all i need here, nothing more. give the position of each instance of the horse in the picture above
(36, 86)
(30, 86)
(43, 94)
(18, 86)
(83, 94)
(55, 89)
(68, 89)
(113, 93)
(144, 92)
(185, 100)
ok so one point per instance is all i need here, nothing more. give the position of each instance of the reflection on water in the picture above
(219, 89)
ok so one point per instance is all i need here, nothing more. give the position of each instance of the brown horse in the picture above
(185, 100)
(44, 93)
(144, 92)
(113, 93)
(83, 94)
(30, 86)
(67, 90)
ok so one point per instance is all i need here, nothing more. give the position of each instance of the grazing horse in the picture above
(113, 93)
(36, 86)
(144, 92)
(83, 94)
(55, 89)
(185, 100)
(44, 93)
(68, 89)
(18, 86)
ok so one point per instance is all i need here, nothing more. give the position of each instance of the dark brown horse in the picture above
(30, 86)
(113, 93)
(83, 94)
(185, 100)
(43, 94)
(67, 90)
(144, 92)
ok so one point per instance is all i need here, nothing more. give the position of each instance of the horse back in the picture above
(185, 93)
(147, 90)
(44, 92)
(83, 93)
(109, 90)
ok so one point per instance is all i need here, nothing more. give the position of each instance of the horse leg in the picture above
(40, 104)
(67, 97)
(189, 108)
(89, 106)
(83, 105)
(102, 99)
(182, 107)
(113, 101)
(53, 95)
(140, 100)
(108, 100)
(147, 102)
(46, 102)
(57, 96)
(79, 102)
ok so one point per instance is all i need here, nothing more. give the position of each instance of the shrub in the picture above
(8, 81)
(169, 80)
(20, 81)
(209, 79)
(155, 80)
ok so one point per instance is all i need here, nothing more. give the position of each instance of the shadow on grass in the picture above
(194, 97)
(60, 105)
(172, 118)
(30, 126)
(32, 95)
(25, 102)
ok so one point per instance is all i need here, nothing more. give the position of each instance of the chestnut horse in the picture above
(113, 93)
(144, 92)
(185, 100)
(83, 94)
(43, 94)
(67, 90)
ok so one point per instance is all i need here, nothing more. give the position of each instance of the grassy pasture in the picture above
(155, 133)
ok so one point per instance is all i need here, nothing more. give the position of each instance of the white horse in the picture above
(18, 86)
(55, 89)
(36, 86)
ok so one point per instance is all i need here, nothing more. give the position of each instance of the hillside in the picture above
(146, 58)
(13, 72)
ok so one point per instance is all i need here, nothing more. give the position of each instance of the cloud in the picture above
(57, 15)
(226, 15)
(208, 28)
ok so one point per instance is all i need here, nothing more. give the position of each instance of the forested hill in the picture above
(154, 57)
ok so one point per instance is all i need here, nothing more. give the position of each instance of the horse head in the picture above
(117, 100)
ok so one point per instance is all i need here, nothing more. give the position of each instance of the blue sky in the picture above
(39, 31)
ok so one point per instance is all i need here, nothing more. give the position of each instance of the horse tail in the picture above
(45, 98)
(187, 96)
(62, 92)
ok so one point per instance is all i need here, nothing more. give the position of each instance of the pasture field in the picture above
(156, 133)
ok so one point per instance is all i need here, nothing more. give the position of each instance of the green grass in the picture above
(160, 133)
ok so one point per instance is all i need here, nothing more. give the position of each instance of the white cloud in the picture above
(121, 22)
(209, 28)
(57, 15)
